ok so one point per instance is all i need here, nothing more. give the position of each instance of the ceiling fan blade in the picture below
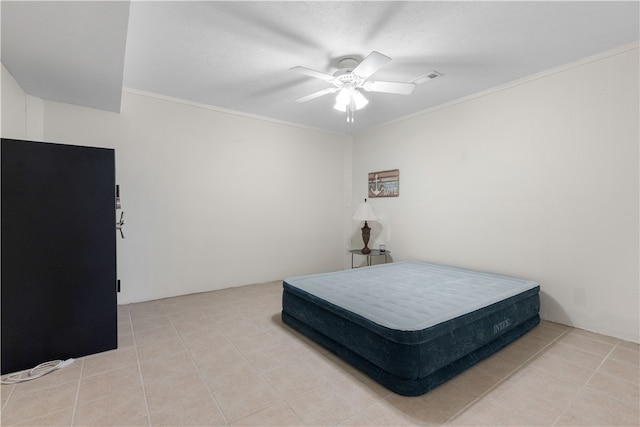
(371, 64)
(390, 87)
(312, 73)
(317, 94)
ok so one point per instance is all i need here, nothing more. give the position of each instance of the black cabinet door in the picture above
(58, 252)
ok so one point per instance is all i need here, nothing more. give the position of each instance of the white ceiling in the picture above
(67, 51)
(237, 55)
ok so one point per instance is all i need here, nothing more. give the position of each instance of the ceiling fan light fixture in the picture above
(360, 100)
(344, 96)
(340, 107)
(349, 96)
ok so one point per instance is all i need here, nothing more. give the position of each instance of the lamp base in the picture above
(366, 233)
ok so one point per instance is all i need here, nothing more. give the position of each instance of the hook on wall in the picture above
(120, 223)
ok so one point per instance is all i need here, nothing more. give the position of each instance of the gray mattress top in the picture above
(410, 295)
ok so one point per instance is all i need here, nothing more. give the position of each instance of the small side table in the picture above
(374, 252)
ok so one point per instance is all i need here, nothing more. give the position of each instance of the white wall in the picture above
(21, 115)
(538, 179)
(14, 100)
(213, 199)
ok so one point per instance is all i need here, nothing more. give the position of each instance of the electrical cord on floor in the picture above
(37, 372)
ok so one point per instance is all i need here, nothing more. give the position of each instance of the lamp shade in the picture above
(365, 213)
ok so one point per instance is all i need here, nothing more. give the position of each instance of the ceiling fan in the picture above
(351, 78)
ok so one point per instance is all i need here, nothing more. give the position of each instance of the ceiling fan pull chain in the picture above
(352, 106)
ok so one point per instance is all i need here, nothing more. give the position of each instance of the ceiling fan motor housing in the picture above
(345, 77)
(348, 63)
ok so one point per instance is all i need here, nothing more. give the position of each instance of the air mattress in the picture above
(411, 325)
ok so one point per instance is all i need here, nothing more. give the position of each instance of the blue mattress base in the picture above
(412, 386)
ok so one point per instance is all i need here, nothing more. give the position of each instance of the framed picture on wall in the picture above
(384, 184)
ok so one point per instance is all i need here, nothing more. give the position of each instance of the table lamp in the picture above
(365, 213)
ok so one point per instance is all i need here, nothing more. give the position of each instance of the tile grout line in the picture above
(261, 374)
(75, 402)
(15, 387)
(282, 399)
(584, 386)
(144, 391)
(375, 402)
(605, 358)
(4, 405)
(506, 377)
(196, 366)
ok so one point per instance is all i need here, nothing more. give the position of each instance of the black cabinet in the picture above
(58, 252)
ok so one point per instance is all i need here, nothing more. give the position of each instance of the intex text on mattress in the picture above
(411, 325)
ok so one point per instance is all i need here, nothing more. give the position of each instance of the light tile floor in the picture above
(225, 358)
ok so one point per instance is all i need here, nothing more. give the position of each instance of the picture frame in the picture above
(384, 184)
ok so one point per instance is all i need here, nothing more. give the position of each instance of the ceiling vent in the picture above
(430, 76)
